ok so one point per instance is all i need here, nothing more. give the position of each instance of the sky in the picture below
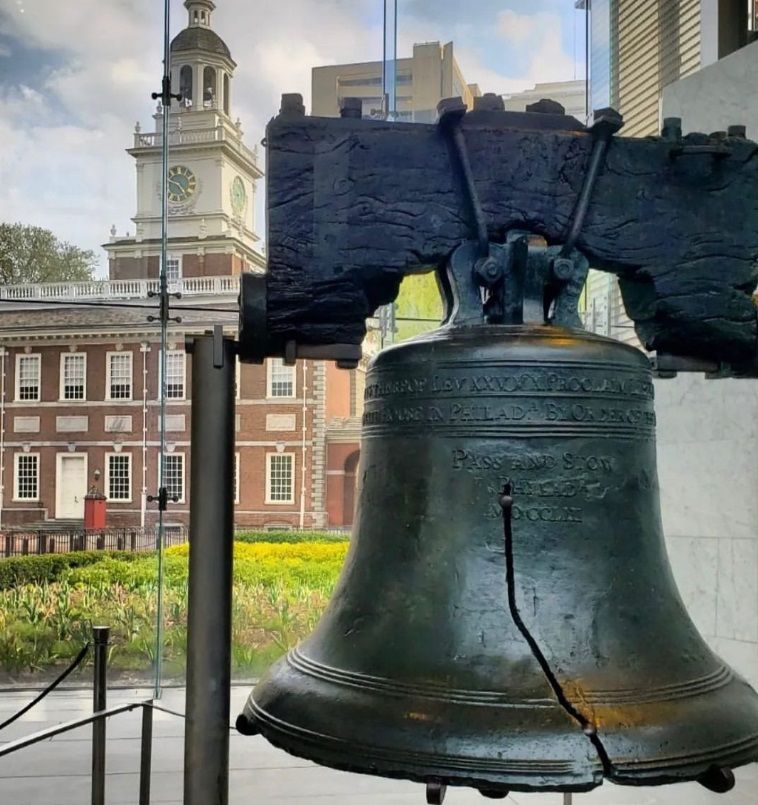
(76, 76)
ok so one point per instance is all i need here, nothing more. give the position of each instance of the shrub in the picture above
(280, 591)
(19, 570)
(291, 536)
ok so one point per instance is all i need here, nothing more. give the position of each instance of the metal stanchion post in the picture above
(209, 617)
(568, 799)
(100, 635)
(146, 755)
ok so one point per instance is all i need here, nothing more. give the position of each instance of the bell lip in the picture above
(304, 744)
(306, 747)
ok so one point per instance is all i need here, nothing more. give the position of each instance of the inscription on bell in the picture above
(547, 411)
(512, 382)
(473, 462)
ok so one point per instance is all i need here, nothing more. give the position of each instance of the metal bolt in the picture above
(352, 108)
(489, 102)
(672, 128)
(546, 107)
(563, 268)
(292, 104)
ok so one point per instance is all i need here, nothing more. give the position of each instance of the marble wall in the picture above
(717, 96)
(708, 472)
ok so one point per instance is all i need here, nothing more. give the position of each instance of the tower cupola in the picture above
(199, 12)
(202, 66)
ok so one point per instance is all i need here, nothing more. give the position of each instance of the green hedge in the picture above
(19, 570)
(291, 536)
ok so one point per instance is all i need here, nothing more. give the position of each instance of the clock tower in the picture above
(212, 174)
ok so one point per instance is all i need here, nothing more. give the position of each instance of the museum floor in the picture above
(57, 772)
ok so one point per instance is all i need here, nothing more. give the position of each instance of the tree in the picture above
(419, 299)
(34, 254)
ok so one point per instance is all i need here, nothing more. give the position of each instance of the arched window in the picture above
(226, 93)
(209, 87)
(185, 84)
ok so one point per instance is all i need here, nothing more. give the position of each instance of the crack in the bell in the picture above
(588, 728)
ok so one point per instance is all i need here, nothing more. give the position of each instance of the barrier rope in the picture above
(51, 687)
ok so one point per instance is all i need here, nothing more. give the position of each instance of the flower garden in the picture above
(48, 605)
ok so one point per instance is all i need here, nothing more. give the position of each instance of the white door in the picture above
(71, 486)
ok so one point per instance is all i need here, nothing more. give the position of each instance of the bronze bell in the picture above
(506, 618)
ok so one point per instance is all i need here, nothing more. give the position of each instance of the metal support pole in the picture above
(206, 742)
(568, 798)
(100, 635)
(146, 755)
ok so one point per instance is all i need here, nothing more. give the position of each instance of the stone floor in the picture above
(56, 772)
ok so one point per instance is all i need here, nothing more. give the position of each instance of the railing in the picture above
(120, 289)
(25, 543)
(154, 139)
(98, 720)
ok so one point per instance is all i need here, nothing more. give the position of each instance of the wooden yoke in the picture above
(355, 205)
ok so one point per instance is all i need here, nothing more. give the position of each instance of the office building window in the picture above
(281, 378)
(73, 376)
(119, 380)
(119, 476)
(28, 377)
(279, 478)
(26, 477)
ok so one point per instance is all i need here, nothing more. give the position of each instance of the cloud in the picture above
(538, 39)
(65, 124)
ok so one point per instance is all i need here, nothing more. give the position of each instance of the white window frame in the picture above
(236, 477)
(16, 462)
(128, 457)
(278, 363)
(183, 457)
(109, 375)
(29, 355)
(174, 258)
(238, 380)
(184, 372)
(291, 500)
(62, 378)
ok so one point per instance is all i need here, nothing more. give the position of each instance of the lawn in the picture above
(49, 604)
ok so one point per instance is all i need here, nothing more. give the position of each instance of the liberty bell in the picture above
(506, 617)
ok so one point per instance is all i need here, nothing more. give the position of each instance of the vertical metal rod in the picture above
(164, 308)
(100, 636)
(206, 741)
(568, 798)
(146, 755)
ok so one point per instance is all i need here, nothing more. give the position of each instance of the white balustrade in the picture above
(119, 289)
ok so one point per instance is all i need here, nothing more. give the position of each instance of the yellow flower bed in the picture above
(280, 591)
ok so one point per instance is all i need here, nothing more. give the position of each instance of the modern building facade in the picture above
(638, 49)
(423, 80)
(707, 462)
(80, 362)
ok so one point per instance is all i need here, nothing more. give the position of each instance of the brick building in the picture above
(79, 362)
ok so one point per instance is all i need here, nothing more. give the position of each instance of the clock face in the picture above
(181, 184)
(238, 195)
